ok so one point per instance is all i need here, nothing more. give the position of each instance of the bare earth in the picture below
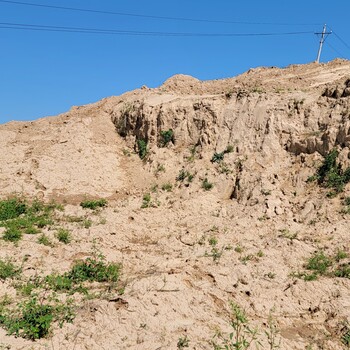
(266, 219)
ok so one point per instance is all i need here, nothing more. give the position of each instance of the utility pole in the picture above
(324, 35)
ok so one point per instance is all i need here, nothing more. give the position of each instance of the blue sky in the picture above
(44, 73)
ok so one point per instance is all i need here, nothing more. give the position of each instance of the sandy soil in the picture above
(192, 252)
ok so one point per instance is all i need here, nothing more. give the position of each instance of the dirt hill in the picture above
(222, 197)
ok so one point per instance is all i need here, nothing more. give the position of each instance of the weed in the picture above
(285, 233)
(8, 269)
(32, 319)
(63, 236)
(154, 188)
(12, 208)
(74, 218)
(142, 148)
(215, 253)
(243, 335)
(87, 223)
(244, 259)
(206, 185)
(166, 137)
(318, 263)
(260, 254)
(258, 89)
(93, 204)
(229, 149)
(238, 249)
(183, 175)
(168, 187)
(224, 168)
(12, 234)
(340, 255)
(102, 221)
(217, 157)
(213, 241)
(160, 168)
(272, 333)
(345, 339)
(126, 152)
(94, 269)
(271, 275)
(19, 216)
(146, 200)
(193, 151)
(342, 271)
(183, 343)
(44, 239)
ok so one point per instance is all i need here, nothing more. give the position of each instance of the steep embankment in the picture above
(219, 209)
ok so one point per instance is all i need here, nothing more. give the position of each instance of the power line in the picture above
(79, 9)
(348, 46)
(36, 27)
(335, 50)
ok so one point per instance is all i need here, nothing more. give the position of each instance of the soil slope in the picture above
(228, 216)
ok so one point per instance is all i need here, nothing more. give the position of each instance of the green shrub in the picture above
(166, 137)
(331, 175)
(12, 208)
(319, 263)
(63, 236)
(58, 282)
(12, 234)
(93, 204)
(33, 319)
(142, 148)
(22, 217)
(94, 269)
(8, 269)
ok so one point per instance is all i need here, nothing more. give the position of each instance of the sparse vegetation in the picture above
(22, 217)
(322, 265)
(183, 175)
(93, 204)
(32, 319)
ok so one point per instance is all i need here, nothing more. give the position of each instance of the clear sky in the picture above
(45, 72)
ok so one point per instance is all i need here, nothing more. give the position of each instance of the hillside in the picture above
(240, 197)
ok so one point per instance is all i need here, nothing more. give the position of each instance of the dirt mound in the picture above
(225, 192)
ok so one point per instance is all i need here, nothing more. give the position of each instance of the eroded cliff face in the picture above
(276, 130)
